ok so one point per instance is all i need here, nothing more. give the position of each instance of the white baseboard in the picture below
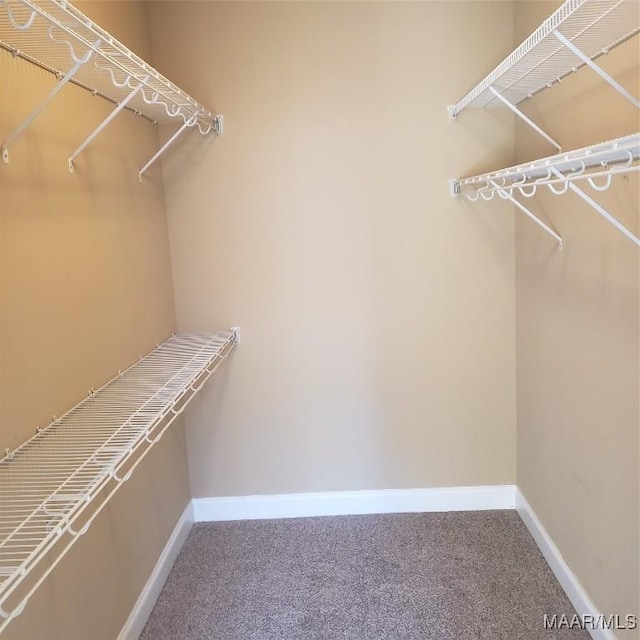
(147, 599)
(334, 503)
(567, 579)
(339, 503)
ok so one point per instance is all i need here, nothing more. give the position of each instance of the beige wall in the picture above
(577, 337)
(378, 346)
(85, 288)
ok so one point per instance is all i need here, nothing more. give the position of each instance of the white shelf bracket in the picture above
(507, 196)
(235, 331)
(217, 127)
(187, 123)
(599, 70)
(36, 112)
(601, 210)
(104, 123)
(526, 119)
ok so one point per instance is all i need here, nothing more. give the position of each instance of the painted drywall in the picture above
(377, 312)
(85, 288)
(577, 339)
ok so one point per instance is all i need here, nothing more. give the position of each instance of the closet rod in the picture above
(16, 53)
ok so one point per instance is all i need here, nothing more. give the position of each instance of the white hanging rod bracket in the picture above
(104, 123)
(525, 118)
(235, 332)
(601, 210)
(38, 110)
(599, 70)
(507, 196)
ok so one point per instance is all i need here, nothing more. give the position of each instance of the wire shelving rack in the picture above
(59, 38)
(55, 484)
(595, 165)
(575, 35)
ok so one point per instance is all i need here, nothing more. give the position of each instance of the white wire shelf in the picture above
(578, 32)
(54, 485)
(56, 36)
(596, 165)
(603, 159)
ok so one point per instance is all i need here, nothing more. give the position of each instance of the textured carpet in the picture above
(435, 576)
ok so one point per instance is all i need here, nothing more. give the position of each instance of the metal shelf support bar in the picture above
(188, 123)
(599, 70)
(507, 196)
(104, 123)
(528, 120)
(36, 112)
(601, 210)
(217, 127)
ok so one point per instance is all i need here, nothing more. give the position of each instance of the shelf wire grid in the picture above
(48, 482)
(55, 35)
(594, 26)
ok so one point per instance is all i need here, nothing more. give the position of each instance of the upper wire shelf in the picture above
(56, 34)
(54, 485)
(580, 30)
(57, 37)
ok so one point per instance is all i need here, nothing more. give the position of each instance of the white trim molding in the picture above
(340, 503)
(147, 599)
(576, 593)
(336, 503)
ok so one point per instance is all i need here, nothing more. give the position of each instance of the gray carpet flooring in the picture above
(434, 576)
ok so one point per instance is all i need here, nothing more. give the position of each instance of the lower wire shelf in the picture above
(55, 484)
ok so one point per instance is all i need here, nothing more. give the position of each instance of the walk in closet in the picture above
(265, 260)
